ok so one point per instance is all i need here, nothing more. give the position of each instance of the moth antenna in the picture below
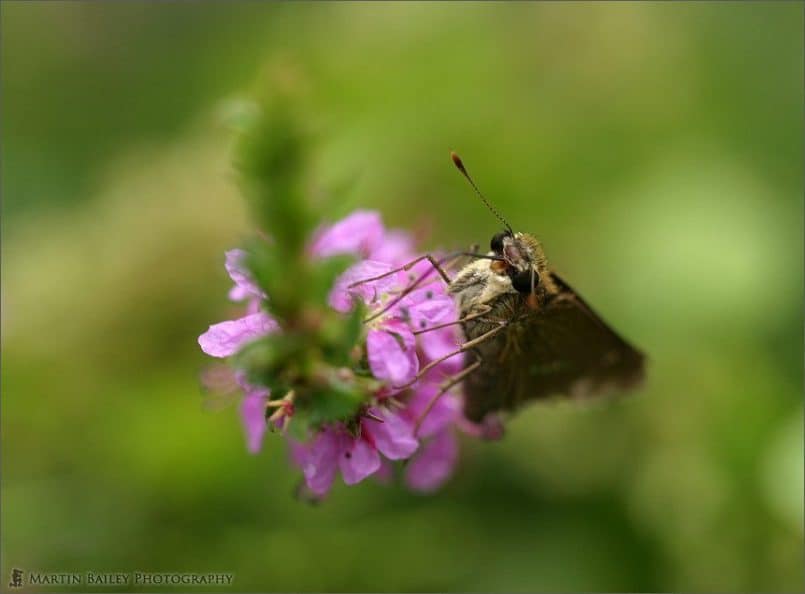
(457, 162)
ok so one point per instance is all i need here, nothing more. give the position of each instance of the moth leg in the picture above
(435, 266)
(444, 387)
(440, 265)
(474, 316)
(404, 268)
(462, 348)
(469, 254)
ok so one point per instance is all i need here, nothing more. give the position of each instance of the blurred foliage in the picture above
(656, 149)
(317, 349)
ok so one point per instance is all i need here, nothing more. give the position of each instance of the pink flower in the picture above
(390, 343)
(334, 449)
(490, 428)
(360, 233)
(391, 347)
(343, 294)
(442, 415)
(253, 414)
(435, 461)
(397, 248)
(403, 306)
(226, 338)
(434, 464)
(245, 286)
(427, 307)
(439, 344)
(224, 382)
(391, 350)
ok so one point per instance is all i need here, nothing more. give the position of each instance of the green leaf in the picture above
(271, 158)
(271, 361)
(341, 334)
(337, 402)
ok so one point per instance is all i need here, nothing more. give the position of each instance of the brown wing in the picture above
(564, 348)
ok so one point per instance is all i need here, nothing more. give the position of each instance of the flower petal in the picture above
(237, 293)
(359, 234)
(219, 378)
(342, 294)
(384, 474)
(392, 354)
(226, 338)
(439, 343)
(253, 306)
(425, 309)
(434, 464)
(240, 275)
(357, 460)
(445, 411)
(321, 461)
(394, 437)
(490, 428)
(298, 451)
(252, 415)
(424, 268)
(396, 248)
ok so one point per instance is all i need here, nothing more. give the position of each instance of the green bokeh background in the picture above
(657, 151)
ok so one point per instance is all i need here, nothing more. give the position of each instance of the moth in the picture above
(531, 334)
(534, 336)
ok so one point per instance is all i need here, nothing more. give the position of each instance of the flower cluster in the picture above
(407, 321)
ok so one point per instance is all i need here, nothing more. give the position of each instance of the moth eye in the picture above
(521, 281)
(496, 245)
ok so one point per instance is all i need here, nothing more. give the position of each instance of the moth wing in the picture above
(595, 359)
(565, 348)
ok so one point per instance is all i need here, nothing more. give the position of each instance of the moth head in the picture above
(517, 255)
(521, 259)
